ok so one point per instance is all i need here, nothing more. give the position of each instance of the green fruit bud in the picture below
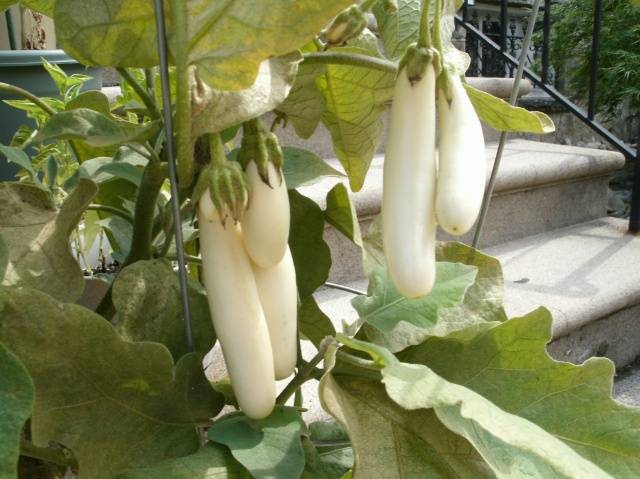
(229, 191)
(347, 25)
(261, 147)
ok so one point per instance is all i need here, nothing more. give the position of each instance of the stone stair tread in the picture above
(525, 164)
(583, 274)
(580, 273)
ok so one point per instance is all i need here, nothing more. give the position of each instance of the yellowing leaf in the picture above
(116, 404)
(214, 110)
(502, 116)
(37, 237)
(355, 100)
(230, 38)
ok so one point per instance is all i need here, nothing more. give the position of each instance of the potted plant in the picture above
(27, 37)
(432, 380)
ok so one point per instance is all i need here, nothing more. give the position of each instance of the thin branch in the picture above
(345, 288)
(149, 102)
(28, 95)
(47, 454)
(424, 40)
(306, 373)
(353, 59)
(356, 361)
(111, 209)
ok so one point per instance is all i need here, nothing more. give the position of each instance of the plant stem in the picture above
(437, 34)
(152, 180)
(305, 373)
(216, 150)
(356, 361)
(184, 147)
(368, 5)
(47, 454)
(353, 59)
(150, 84)
(5, 87)
(149, 102)
(424, 39)
(111, 209)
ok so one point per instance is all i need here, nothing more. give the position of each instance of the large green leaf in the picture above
(107, 32)
(391, 442)
(511, 445)
(311, 255)
(303, 167)
(396, 322)
(210, 462)
(313, 323)
(230, 38)
(399, 29)
(146, 295)
(509, 366)
(269, 448)
(37, 236)
(214, 110)
(502, 116)
(16, 399)
(114, 403)
(94, 128)
(341, 213)
(355, 101)
(305, 103)
(483, 300)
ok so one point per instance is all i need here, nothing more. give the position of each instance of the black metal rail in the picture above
(606, 134)
(544, 83)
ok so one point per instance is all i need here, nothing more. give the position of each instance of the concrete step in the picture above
(586, 275)
(626, 387)
(540, 187)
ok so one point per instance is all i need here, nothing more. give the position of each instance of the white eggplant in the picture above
(265, 224)
(462, 164)
(408, 220)
(236, 311)
(279, 297)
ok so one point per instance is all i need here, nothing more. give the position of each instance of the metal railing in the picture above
(505, 51)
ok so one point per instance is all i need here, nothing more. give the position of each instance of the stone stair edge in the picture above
(545, 169)
(622, 295)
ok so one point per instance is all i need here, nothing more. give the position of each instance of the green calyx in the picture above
(262, 147)
(347, 25)
(226, 182)
(416, 60)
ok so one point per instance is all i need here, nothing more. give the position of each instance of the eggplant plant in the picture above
(432, 380)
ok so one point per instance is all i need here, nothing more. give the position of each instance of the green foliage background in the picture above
(619, 56)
